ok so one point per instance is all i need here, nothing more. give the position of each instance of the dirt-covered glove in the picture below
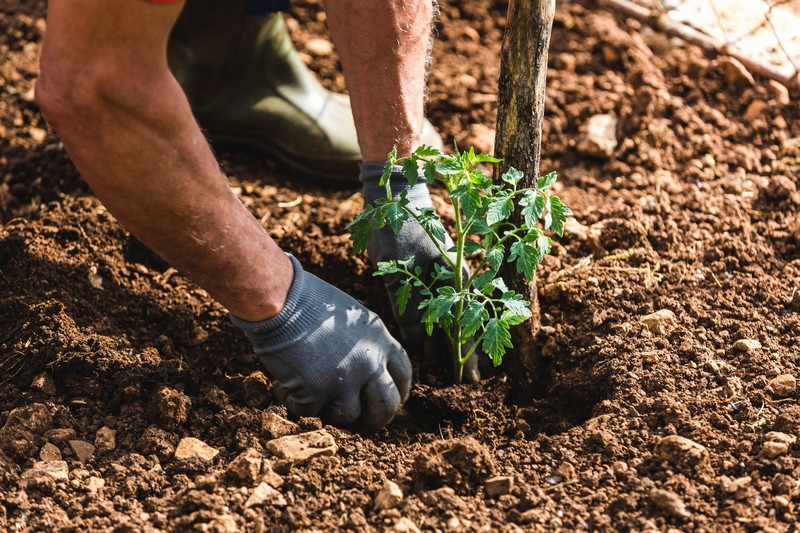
(410, 241)
(332, 357)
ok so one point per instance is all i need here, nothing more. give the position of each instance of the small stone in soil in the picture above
(782, 386)
(669, 502)
(319, 47)
(105, 439)
(274, 426)
(660, 322)
(83, 450)
(50, 452)
(405, 525)
(774, 449)
(60, 434)
(190, 448)
(94, 483)
(499, 485)
(746, 345)
(245, 467)
(735, 73)
(264, 493)
(389, 496)
(600, 139)
(777, 436)
(44, 382)
(34, 418)
(301, 448)
(57, 470)
(680, 451)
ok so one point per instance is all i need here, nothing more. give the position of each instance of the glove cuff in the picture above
(370, 177)
(300, 314)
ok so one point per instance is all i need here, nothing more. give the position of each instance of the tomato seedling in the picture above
(473, 308)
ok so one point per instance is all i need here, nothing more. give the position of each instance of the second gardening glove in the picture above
(410, 241)
(332, 357)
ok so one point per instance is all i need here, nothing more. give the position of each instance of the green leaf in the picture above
(546, 181)
(473, 318)
(512, 176)
(557, 214)
(449, 165)
(387, 169)
(496, 338)
(515, 304)
(384, 268)
(361, 234)
(482, 281)
(431, 223)
(498, 283)
(479, 227)
(500, 208)
(533, 206)
(525, 257)
(472, 203)
(495, 257)
(484, 158)
(514, 319)
(479, 179)
(430, 170)
(543, 246)
(402, 296)
(471, 248)
(427, 151)
(411, 170)
(396, 215)
(441, 304)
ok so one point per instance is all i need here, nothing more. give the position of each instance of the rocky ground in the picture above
(670, 310)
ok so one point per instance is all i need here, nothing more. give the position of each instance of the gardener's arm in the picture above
(384, 47)
(106, 89)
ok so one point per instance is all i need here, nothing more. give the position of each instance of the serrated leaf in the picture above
(495, 257)
(557, 214)
(384, 268)
(500, 208)
(532, 207)
(411, 170)
(441, 273)
(361, 234)
(498, 283)
(472, 318)
(427, 151)
(396, 216)
(449, 165)
(524, 255)
(429, 169)
(431, 223)
(484, 158)
(471, 248)
(482, 281)
(402, 296)
(480, 180)
(546, 181)
(514, 319)
(543, 246)
(479, 227)
(387, 168)
(472, 203)
(512, 176)
(496, 338)
(515, 304)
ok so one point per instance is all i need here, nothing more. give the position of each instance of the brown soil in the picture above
(693, 213)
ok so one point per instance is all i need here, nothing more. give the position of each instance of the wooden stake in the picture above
(520, 114)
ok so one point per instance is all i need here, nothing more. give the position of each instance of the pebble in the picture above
(264, 493)
(256, 389)
(779, 92)
(44, 382)
(83, 450)
(777, 436)
(190, 448)
(50, 452)
(746, 345)
(222, 524)
(735, 73)
(57, 470)
(660, 322)
(681, 451)
(733, 486)
(60, 434)
(319, 47)
(782, 386)
(389, 496)
(301, 448)
(755, 110)
(94, 483)
(499, 485)
(34, 418)
(733, 386)
(246, 467)
(669, 502)
(600, 139)
(105, 439)
(171, 406)
(275, 426)
(405, 525)
(774, 449)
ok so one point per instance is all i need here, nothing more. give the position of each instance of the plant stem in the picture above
(458, 275)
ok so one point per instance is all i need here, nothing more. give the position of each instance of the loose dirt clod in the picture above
(746, 345)
(57, 470)
(681, 452)
(669, 502)
(774, 449)
(45, 383)
(105, 439)
(190, 448)
(274, 426)
(499, 485)
(298, 449)
(265, 494)
(246, 467)
(600, 139)
(171, 407)
(405, 525)
(782, 386)
(463, 464)
(661, 322)
(389, 496)
(50, 452)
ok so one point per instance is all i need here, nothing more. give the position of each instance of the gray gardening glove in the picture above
(411, 241)
(332, 357)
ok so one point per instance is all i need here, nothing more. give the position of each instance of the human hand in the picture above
(332, 357)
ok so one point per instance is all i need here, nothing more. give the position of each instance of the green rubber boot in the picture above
(248, 87)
